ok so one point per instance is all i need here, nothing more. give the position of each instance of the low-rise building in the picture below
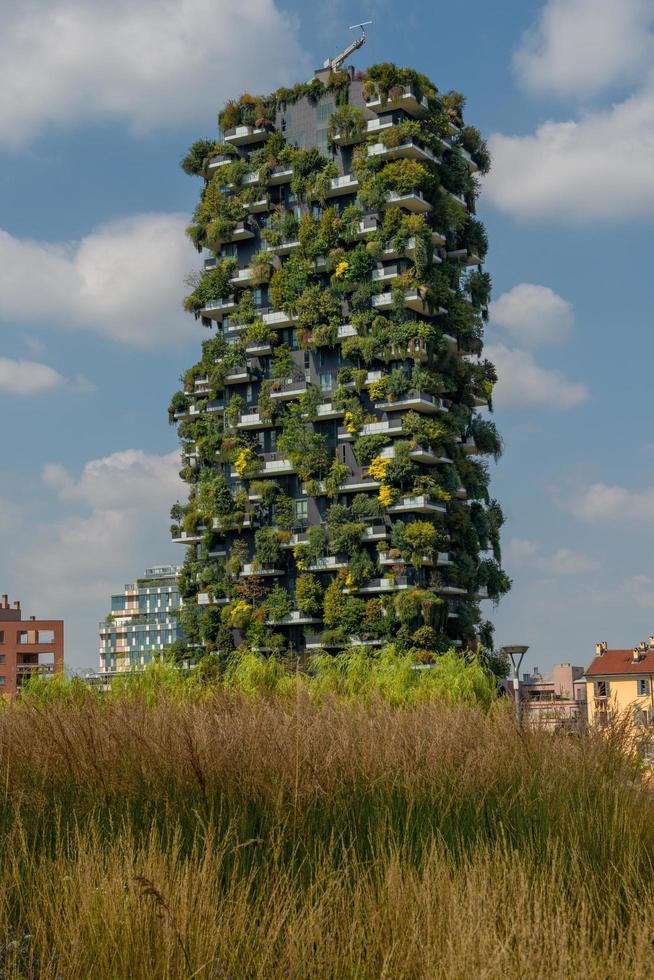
(620, 684)
(143, 620)
(27, 647)
(553, 699)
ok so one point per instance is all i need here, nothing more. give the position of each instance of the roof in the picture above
(622, 662)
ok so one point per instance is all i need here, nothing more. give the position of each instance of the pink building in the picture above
(553, 699)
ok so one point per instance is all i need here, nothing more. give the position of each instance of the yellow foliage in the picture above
(378, 467)
(243, 461)
(341, 269)
(386, 495)
(350, 423)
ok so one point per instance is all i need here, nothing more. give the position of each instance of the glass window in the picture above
(643, 686)
(2, 636)
(324, 110)
(326, 382)
(302, 510)
(2, 679)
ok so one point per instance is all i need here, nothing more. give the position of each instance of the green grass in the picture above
(170, 830)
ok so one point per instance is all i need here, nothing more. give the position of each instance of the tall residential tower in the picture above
(332, 431)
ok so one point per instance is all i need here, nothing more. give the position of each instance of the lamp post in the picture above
(516, 654)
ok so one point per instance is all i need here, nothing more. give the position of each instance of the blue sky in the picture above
(99, 104)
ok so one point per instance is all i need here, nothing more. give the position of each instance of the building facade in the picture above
(333, 435)
(143, 621)
(28, 647)
(620, 684)
(554, 699)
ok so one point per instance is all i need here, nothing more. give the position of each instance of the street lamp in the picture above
(516, 654)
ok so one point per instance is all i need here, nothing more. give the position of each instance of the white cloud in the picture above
(600, 167)
(129, 480)
(524, 383)
(68, 566)
(124, 280)
(27, 377)
(580, 47)
(533, 314)
(564, 561)
(519, 549)
(601, 503)
(148, 62)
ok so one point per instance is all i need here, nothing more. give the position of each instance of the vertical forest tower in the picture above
(335, 432)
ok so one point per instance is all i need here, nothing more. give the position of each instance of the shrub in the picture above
(308, 595)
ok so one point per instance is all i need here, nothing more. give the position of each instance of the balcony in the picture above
(438, 238)
(417, 401)
(472, 166)
(385, 558)
(407, 100)
(347, 184)
(218, 309)
(421, 454)
(274, 465)
(253, 421)
(295, 618)
(469, 446)
(285, 247)
(330, 563)
(417, 504)
(258, 350)
(409, 150)
(387, 428)
(329, 411)
(412, 300)
(358, 484)
(256, 569)
(244, 135)
(375, 532)
(288, 390)
(188, 537)
(243, 276)
(218, 160)
(375, 585)
(317, 643)
(346, 330)
(408, 251)
(387, 273)
(371, 376)
(368, 225)
(379, 125)
(280, 175)
(239, 375)
(413, 201)
(195, 411)
(207, 599)
(261, 204)
(347, 139)
(240, 233)
(278, 318)
(221, 524)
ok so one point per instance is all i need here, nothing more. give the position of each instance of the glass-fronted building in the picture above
(142, 621)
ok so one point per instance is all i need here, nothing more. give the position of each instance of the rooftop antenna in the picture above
(335, 63)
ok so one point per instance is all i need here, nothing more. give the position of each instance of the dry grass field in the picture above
(165, 832)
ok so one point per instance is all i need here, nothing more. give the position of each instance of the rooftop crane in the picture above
(335, 63)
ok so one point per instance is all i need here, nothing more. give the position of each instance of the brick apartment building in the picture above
(27, 646)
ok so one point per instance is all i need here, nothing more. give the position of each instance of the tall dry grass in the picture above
(224, 836)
